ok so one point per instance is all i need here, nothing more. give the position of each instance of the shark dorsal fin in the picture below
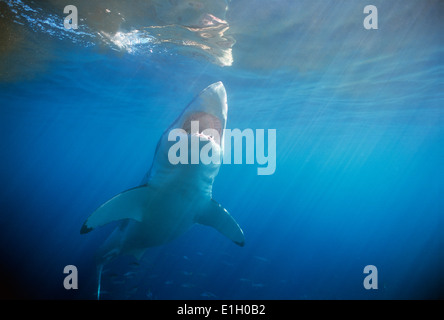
(129, 204)
(216, 216)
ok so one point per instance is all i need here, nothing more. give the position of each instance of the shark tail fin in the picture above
(129, 204)
(218, 217)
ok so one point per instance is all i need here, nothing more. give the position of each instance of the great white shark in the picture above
(171, 197)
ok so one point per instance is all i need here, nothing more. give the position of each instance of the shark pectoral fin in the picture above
(217, 217)
(129, 204)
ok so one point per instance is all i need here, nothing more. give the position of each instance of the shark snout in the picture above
(207, 111)
(214, 100)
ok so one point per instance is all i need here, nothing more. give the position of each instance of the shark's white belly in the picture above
(166, 220)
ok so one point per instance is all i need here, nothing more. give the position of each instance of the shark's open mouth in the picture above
(205, 121)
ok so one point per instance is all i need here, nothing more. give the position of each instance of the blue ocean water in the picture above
(359, 148)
